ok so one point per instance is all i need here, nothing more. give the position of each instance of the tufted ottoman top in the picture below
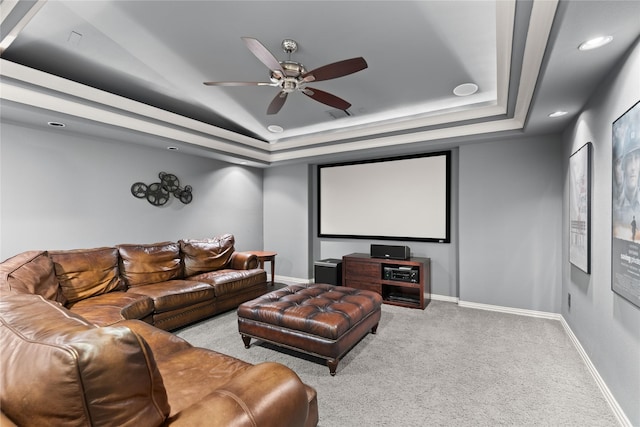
(323, 310)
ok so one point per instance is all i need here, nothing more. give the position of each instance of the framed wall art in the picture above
(580, 208)
(625, 209)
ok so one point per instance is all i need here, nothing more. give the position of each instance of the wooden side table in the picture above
(267, 256)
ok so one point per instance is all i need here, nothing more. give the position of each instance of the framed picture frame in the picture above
(580, 208)
(625, 209)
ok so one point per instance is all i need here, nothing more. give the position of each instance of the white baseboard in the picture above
(290, 280)
(445, 298)
(293, 280)
(611, 400)
(510, 310)
(613, 403)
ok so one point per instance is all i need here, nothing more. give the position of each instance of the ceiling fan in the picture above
(291, 76)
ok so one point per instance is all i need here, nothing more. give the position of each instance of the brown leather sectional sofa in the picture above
(84, 340)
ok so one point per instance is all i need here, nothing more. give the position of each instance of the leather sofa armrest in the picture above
(267, 395)
(243, 261)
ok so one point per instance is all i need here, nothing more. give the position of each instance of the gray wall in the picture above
(60, 190)
(510, 223)
(286, 219)
(607, 325)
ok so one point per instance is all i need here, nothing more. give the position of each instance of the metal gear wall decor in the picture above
(159, 193)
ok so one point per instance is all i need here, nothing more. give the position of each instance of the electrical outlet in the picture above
(569, 300)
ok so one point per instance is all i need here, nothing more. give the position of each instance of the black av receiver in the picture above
(401, 274)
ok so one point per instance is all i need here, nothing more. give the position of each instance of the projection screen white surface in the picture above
(402, 198)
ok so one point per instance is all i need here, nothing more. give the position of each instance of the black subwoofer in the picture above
(328, 271)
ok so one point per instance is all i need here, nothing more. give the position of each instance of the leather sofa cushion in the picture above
(59, 370)
(113, 307)
(84, 273)
(227, 282)
(153, 263)
(174, 319)
(31, 272)
(206, 254)
(176, 294)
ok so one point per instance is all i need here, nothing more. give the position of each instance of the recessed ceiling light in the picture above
(56, 124)
(595, 43)
(275, 128)
(465, 89)
(557, 114)
(172, 148)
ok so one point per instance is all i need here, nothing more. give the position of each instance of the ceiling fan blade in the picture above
(337, 69)
(277, 102)
(237, 84)
(263, 54)
(326, 98)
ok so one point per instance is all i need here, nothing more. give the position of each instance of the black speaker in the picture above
(390, 252)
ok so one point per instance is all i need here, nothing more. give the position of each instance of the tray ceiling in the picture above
(136, 68)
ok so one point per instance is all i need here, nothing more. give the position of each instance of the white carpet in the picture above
(444, 366)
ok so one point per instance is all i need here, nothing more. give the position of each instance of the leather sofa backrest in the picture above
(205, 255)
(57, 369)
(154, 263)
(84, 273)
(68, 276)
(31, 272)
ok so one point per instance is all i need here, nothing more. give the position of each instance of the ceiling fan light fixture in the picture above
(595, 43)
(465, 89)
(275, 128)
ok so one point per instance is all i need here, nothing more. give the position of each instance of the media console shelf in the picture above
(405, 283)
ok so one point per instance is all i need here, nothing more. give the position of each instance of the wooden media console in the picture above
(405, 283)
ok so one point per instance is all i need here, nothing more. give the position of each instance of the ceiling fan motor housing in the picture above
(292, 71)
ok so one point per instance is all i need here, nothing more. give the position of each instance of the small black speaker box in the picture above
(390, 252)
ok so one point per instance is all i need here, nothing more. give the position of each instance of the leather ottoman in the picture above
(318, 319)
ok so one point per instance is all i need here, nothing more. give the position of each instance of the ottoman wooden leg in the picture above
(332, 364)
(374, 329)
(247, 341)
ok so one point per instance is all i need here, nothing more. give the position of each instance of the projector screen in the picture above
(400, 198)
